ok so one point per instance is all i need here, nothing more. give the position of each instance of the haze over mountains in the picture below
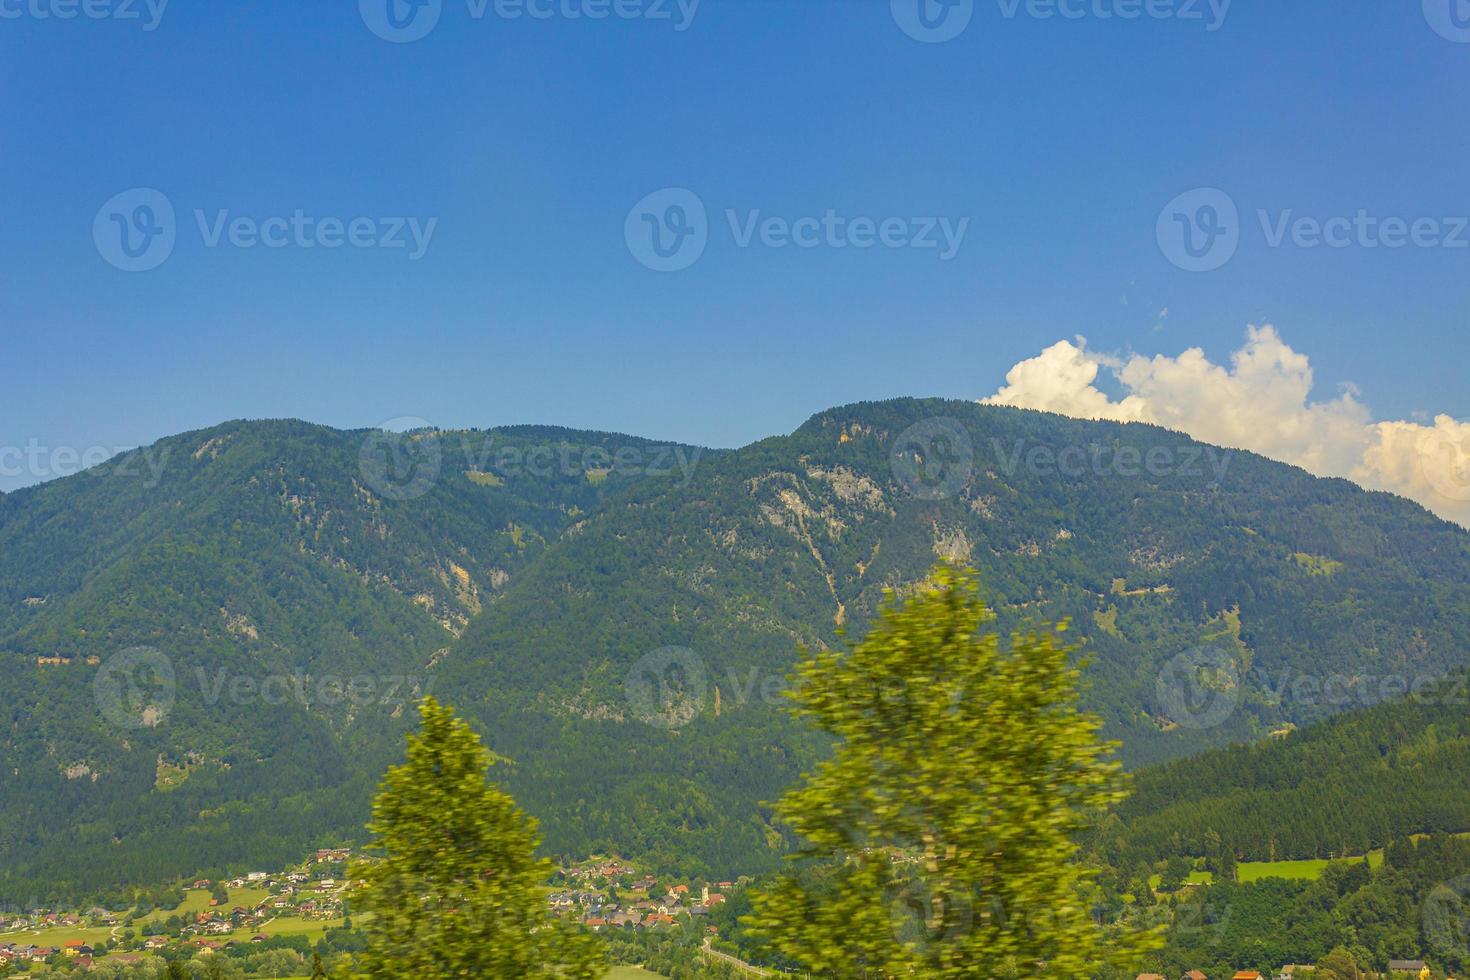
(208, 646)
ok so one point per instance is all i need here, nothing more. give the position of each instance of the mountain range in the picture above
(211, 646)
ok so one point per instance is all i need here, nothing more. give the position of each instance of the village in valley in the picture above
(307, 908)
(609, 894)
(292, 908)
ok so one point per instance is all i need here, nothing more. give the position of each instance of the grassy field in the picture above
(287, 925)
(1195, 878)
(631, 973)
(56, 937)
(1310, 870)
(197, 900)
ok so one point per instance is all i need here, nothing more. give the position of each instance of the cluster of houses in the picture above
(306, 893)
(294, 894)
(610, 895)
(1397, 970)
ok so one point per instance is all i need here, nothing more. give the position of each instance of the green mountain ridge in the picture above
(617, 614)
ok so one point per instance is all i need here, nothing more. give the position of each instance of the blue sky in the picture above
(527, 141)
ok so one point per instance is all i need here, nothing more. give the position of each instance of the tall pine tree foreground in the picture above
(940, 836)
(459, 890)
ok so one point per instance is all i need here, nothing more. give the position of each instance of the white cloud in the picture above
(1260, 402)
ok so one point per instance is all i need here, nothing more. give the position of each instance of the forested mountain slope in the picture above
(264, 567)
(617, 615)
(1343, 787)
(1228, 560)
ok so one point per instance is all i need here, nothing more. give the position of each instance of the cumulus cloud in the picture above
(1262, 402)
